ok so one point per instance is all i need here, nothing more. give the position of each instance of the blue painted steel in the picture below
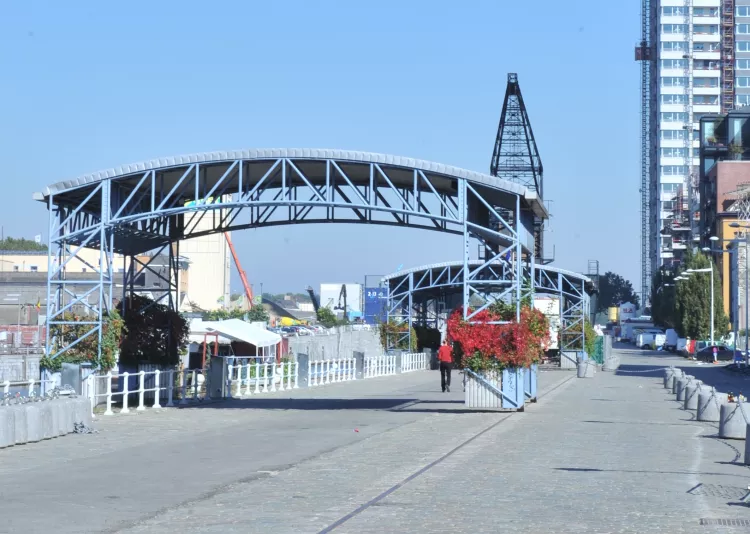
(375, 304)
(513, 390)
(530, 375)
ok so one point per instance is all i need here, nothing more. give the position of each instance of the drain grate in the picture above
(731, 493)
(725, 522)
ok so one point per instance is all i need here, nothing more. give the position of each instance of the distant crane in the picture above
(315, 302)
(243, 276)
(342, 296)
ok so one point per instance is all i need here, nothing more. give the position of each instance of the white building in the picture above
(210, 269)
(330, 293)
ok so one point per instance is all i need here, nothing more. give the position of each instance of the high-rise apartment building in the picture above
(695, 61)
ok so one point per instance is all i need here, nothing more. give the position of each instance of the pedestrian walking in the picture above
(445, 357)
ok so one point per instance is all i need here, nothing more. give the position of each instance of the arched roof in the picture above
(297, 154)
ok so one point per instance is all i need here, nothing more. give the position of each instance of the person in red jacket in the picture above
(445, 357)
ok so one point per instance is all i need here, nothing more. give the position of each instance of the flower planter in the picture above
(493, 391)
(529, 382)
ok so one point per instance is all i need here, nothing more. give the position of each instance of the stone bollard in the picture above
(677, 375)
(692, 391)
(585, 369)
(21, 423)
(611, 363)
(680, 386)
(732, 420)
(709, 405)
(7, 427)
(34, 430)
(669, 374)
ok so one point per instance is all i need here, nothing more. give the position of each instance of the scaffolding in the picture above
(727, 56)
(644, 53)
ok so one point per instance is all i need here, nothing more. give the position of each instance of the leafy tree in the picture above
(11, 243)
(154, 332)
(693, 300)
(87, 349)
(255, 313)
(326, 317)
(663, 311)
(614, 290)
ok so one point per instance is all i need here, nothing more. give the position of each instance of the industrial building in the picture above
(695, 60)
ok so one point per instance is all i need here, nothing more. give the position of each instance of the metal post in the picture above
(747, 353)
(712, 304)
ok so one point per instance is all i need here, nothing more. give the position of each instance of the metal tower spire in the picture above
(516, 157)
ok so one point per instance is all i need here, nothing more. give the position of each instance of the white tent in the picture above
(238, 330)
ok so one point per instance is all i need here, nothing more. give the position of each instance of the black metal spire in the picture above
(516, 157)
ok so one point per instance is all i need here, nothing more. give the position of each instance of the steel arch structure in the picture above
(152, 206)
(424, 295)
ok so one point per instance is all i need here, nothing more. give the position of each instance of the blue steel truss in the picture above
(152, 206)
(426, 295)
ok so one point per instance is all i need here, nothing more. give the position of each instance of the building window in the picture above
(742, 81)
(743, 64)
(670, 188)
(673, 135)
(672, 152)
(33, 268)
(667, 205)
(674, 99)
(674, 63)
(743, 11)
(705, 64)
(743, 100)
(696, 153)
(705, 11)
(674, 46)
(674, 28)
(674, 81)
(677, 11)
(705, 82)
(674, 117)
(743, 29)
(706, 29)
(743, 46)
(706, 47)
(674, 170)
(706, 100)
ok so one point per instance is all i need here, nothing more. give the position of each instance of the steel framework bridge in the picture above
(425, 295)
(150, 207)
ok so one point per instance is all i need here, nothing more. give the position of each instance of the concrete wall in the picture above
(210, 264)
(339, 345)
(15, 367)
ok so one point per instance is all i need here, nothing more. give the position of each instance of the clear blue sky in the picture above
(91, 85)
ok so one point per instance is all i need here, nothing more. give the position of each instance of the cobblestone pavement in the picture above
(605, 455)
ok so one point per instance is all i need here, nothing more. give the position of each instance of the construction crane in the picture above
(315, 302)
(342, 296)
(243, 276)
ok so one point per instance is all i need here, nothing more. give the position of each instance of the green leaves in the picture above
(326, 317)
(614, 290)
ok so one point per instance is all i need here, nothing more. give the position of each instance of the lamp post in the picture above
(747, 301)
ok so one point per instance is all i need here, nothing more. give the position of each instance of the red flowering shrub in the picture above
(487, 346)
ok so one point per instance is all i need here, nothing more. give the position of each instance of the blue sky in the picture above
(91, 85)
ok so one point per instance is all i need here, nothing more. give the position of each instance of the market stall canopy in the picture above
(198, 329)
(238, 330)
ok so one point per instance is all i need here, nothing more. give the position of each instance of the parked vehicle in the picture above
(651, 340)
(724, 353)
(671, 340)
(682, 346)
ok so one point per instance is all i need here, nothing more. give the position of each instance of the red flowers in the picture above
(514, 344)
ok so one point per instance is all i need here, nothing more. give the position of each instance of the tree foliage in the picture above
(663, 309)
(87, 349)
(394, 333)
(693, 301)
(154, 332)
(254, 314)
(614, 290)
(11, 243)
(326, 317)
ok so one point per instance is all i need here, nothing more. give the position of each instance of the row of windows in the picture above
(682, 81)
(674, 117)
(742, 81)
(743, 11)
(743, 100)
(743, 46)
(672, 152)
(681, 99)
(674, 170)
(670, 188)
(678, 135)
(682, 11)
(698, 64)
(698, 29)
(682, 46)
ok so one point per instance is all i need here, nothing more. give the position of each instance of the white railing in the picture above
(253, 377)
(26, 385)
(191, 386)
(416, 361)
(321, 372)
(380, 366)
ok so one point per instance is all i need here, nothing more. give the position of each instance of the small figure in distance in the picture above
(445, 357)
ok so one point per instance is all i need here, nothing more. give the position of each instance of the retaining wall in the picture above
(337, 346)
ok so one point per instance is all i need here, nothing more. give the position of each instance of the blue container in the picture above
(530, 381)
(513, 388)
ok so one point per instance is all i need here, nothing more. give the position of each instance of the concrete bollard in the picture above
(677, 376)
(668, 373)
(709, 404)
(7, 427)
(732, 421)
(692, 391)
(585, 369)
(48, 420)
(21, 423)
(82, 411)
(680, 386)
(34, 430)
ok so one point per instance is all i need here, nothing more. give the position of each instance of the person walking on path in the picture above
(445, 357)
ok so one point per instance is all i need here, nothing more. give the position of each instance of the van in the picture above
(672, 338)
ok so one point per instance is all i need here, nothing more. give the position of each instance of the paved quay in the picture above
(610, 454)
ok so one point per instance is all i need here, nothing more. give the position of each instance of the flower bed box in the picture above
(494, 391)
(529, 382)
